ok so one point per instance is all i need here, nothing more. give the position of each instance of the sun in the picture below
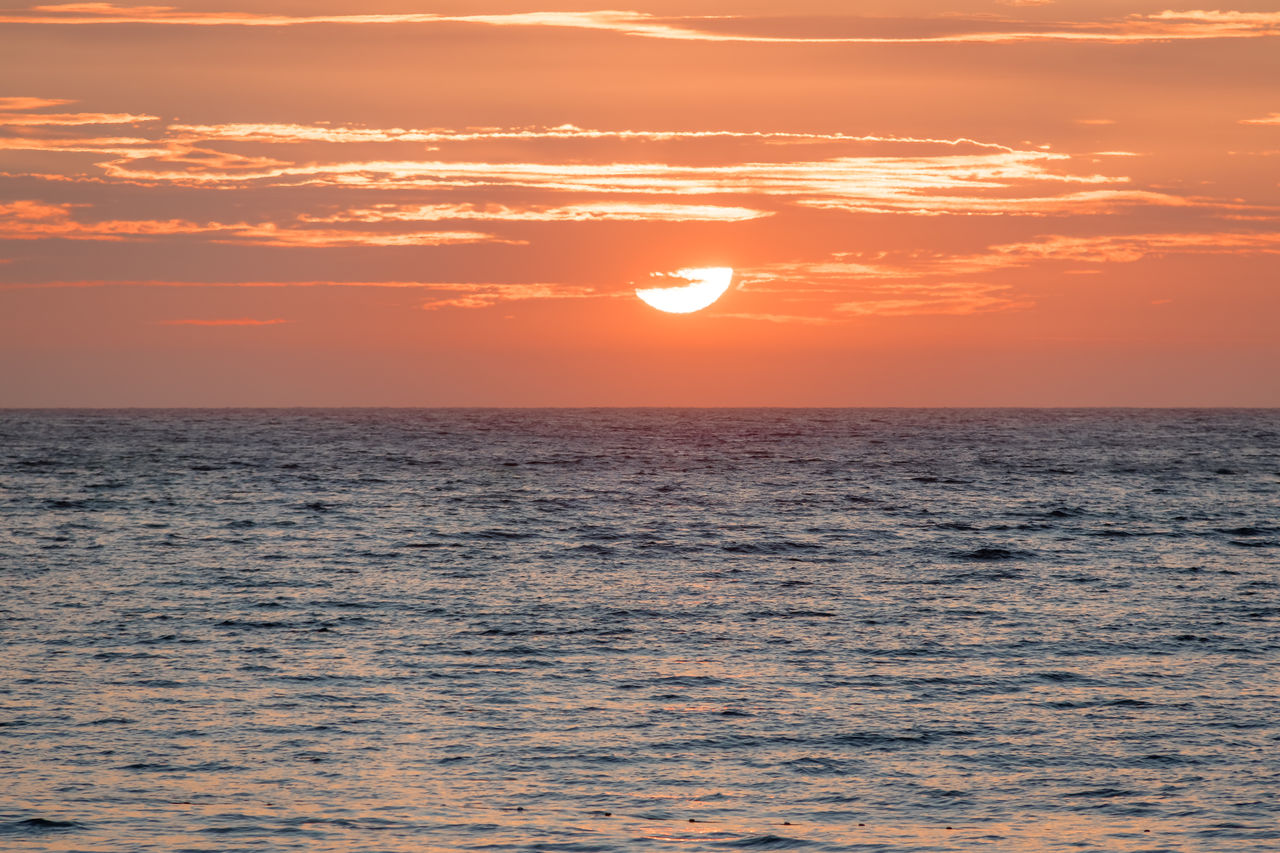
(704, 286)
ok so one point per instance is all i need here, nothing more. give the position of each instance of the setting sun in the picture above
(705, 286)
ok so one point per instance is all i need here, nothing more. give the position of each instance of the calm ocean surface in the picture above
(616, 630)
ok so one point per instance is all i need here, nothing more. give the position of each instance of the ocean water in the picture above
(617, 630)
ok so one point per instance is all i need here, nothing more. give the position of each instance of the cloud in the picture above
(18, 103)
(910, 283)
(990, 181)
(839, 272)
(488, 295)
(243, 321)
(453, 294)
(1090, 202)
(859, 174)
(564, 174)
(605, 211)
(119, 146)
(1162, 27)
(10, 119)
(270, 234)
(296, 133)
(1273, 118)
(1128, 248)
(426, 285)
(33, 220)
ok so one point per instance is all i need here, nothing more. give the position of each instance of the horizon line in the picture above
(321, 408)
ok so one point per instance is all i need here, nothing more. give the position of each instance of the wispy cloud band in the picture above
(1165, 26)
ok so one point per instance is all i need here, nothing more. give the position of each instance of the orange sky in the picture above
(402, 203)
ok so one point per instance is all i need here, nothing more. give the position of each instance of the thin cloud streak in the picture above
(447, 286)
(904, 184)
(488, 295)
(33, 220)
(119, 146)
(1162, 27)
(273, 235)
(21, 103)
(296, 133)
(70, 119)
(587, 212)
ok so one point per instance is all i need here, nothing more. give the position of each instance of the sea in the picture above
(639, 630)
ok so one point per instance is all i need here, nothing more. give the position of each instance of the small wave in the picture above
(77, 503)
(110, 721)
(768, 547)
(1161, 760)
(244, 829)
(813, 766)
(37, 826)
(499, 534)
(688, 680)
(991, 554)
(1059, 676)
(248, 624)
(38, 463)
(885, 739)
(594, 548)
(108, 484)
(1245, 531)
(766, 842)
(790, 614)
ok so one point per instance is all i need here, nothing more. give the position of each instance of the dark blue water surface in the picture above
(615, 630)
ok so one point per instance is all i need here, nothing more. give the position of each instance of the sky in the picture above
(331, 203)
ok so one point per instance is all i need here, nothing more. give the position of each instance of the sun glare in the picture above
(704, 286)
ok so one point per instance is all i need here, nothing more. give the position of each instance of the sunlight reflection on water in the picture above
(772, 629)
